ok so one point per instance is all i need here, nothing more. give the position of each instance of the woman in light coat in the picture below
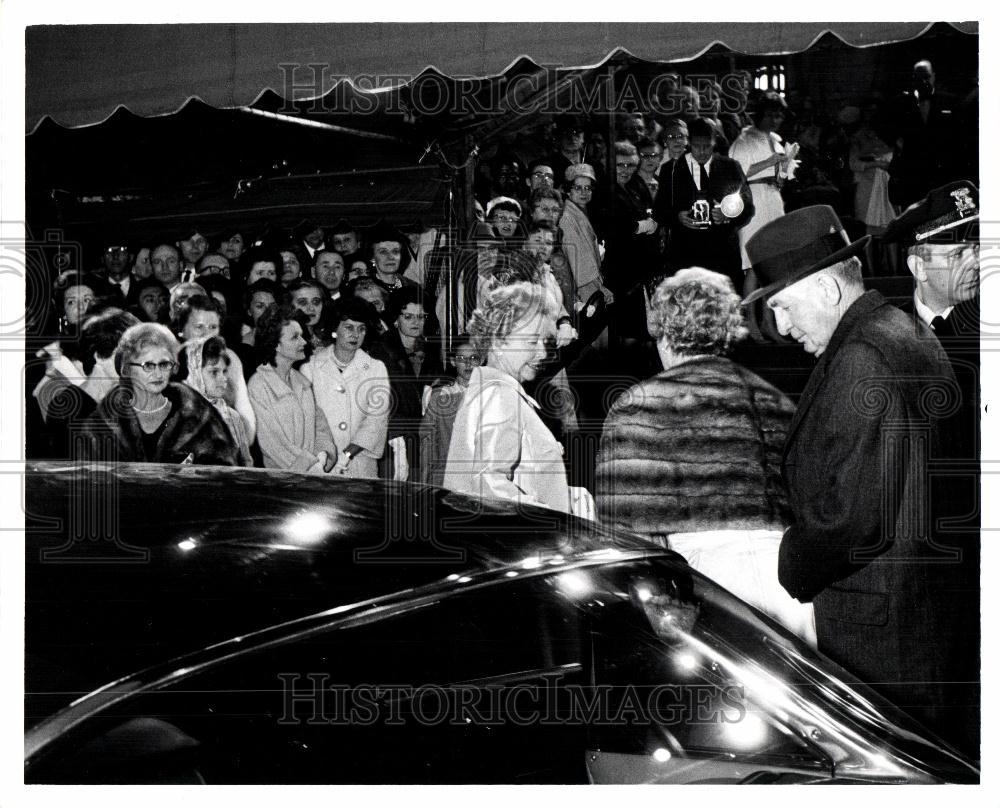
(350, 387)
(291, 430)
(499, 445)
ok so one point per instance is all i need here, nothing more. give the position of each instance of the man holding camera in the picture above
(704, 203)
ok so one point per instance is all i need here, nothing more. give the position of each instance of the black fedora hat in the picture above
(798, 244)
(947, 215)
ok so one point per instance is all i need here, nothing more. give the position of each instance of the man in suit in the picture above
(894, 588)
(704, 202)
(923, 122)
(116, 268)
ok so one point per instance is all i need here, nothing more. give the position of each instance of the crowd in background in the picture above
(377, 353)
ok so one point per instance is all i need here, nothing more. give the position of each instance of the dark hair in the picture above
(221, 284)
(140, 286)
(67, 280)
(360, 284)
(400, 298)
(346, 308)
(267, 334)
(262, 285)
(702, 127)
(541, 161)
(256, 255)
(541, 227)
(318, 253)
(195, 303)
(646, 143)
(101, 332)
(770, 101)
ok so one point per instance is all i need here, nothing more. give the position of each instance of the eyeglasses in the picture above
(409, 317)
(505, 219)
(582, 189)
(548, 175)
(471, 360)
(627, 165)
(649, 155)
(116, 250)
(149, 367)
(675, 137)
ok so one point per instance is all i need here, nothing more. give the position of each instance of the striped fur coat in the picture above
(697, 447)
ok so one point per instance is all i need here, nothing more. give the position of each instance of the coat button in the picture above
(341, 390)
(342, 425)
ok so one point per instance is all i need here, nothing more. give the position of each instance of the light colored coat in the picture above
(500, 447)
(356, 404)
(291, 429)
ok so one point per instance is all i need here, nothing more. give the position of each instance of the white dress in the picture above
(751, 147)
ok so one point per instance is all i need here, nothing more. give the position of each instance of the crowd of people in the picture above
(382, 354)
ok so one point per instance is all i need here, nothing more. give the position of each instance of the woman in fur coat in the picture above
(691, 458)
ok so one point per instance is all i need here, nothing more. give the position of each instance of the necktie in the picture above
(704, 181)
(942, 328)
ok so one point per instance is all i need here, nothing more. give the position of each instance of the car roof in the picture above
(132, 565)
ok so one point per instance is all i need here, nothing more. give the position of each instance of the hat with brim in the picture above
(797, 245)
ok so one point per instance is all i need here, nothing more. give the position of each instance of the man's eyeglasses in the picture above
(675, 137)
(649, 155)
(471, 360)
(116, 250)
(547, 175)
(627, 165)
(149, 367)
(505, 219)
(408, 316)
(582, 189)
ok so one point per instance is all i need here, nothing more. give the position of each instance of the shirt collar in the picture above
(693, 164)
(484, 374)
(925, 313)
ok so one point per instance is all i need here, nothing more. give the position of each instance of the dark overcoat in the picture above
(894, 584)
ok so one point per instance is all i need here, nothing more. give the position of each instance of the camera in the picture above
(701, 212)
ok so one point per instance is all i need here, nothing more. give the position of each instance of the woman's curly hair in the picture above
(504, 306)
(272, 322)
(697, 311)
(139, 337)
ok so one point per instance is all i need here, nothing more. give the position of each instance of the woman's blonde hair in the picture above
(697, 311)
(504, 306)
(139, 337)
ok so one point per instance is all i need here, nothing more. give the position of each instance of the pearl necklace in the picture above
(155, 409)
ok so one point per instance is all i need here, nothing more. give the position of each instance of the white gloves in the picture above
(400, 466)
(645, 227)
(565, 334)
(581, 503)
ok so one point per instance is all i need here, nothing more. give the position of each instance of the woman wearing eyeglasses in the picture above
(579, 241)
(146, 417)
(439, 414)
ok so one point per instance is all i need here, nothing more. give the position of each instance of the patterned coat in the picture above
(695, 448)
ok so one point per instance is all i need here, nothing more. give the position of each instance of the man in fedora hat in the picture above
(892, 593)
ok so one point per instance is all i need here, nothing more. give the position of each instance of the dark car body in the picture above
(211, 625)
